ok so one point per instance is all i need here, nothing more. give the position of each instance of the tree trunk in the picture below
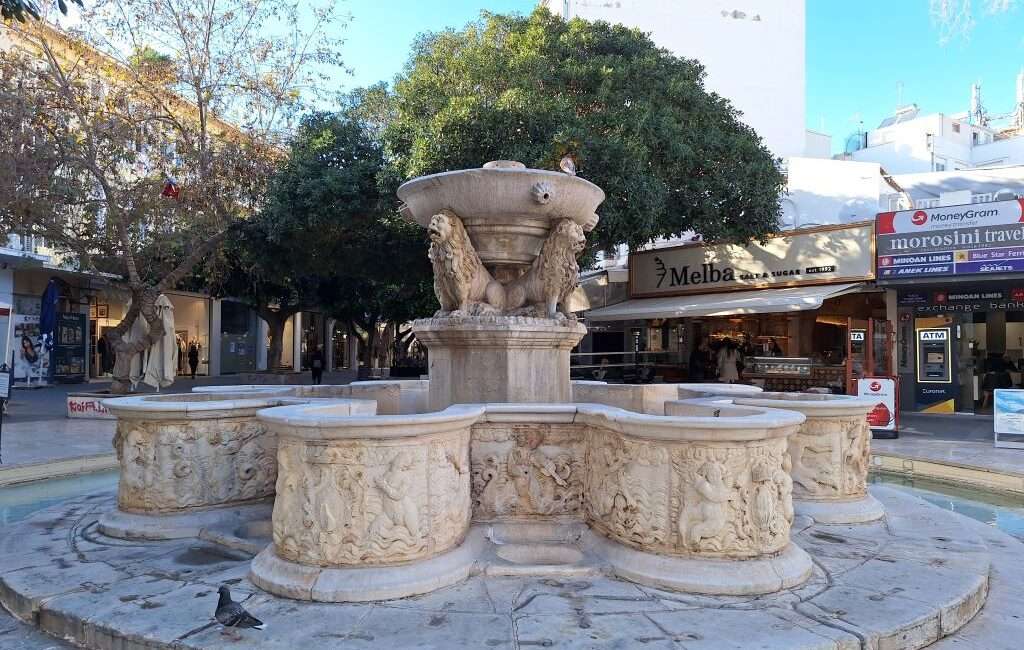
(276, 320)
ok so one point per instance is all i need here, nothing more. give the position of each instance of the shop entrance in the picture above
(869, 345)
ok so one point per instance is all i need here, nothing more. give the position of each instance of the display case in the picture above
(793, 366)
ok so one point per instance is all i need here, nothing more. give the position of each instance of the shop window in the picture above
(234, 317)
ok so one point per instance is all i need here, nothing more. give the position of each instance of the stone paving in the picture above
(980, 454)
(904, 582)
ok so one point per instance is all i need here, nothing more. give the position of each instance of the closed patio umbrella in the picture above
(162, 355)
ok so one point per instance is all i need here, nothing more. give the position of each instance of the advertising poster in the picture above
(69, 351)
(883, 390)
(29, 358)
(1008, 417)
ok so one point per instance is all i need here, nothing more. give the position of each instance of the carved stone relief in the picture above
(731, 500)
(465, 287)
(627, 489)
(708, 499)
(830, 458)
(527, 470)
(370, 502)
(168, 466)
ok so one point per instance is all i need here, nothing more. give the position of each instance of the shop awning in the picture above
(759, 301)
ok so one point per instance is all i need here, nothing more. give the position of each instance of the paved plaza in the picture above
(917, 577)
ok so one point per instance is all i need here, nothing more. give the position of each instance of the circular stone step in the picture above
(901, 583)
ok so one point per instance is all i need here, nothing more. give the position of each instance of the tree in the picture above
(670, 155)
(140, 143)
(956, 18)
(328, 203)
(263, 270)
(327, 237)
(22, 10)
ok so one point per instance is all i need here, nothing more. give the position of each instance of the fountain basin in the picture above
(506, 208)
(656, 491)
(829, 455)
(358, 491)
(180, 454)
(393, 396)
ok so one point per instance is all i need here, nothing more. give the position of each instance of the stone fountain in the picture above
(504, 241)
(498, 475)
(506, 474)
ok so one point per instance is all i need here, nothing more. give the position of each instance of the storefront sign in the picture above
(883, 391)
(88, 407)
(956, 240)
(824, 255)
(963, 300)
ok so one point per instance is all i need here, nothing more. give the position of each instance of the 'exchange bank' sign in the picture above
(956, 240)
(824, 255)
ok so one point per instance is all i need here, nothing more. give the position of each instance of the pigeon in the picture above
(231, 614)
(568, 164)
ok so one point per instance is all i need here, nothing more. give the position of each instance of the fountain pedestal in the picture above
(498, 359)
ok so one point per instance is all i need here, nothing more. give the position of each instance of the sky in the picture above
(858, 54)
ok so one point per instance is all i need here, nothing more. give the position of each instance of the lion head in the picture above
(441, 227)
(570, 234)
(450, 247)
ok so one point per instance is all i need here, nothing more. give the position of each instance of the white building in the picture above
(753, 51)
(911, 141)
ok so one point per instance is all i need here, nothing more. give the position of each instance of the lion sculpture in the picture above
(460, 279)
(553, 275)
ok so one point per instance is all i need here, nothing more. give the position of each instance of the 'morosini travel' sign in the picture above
(955, 240)
(822, 255)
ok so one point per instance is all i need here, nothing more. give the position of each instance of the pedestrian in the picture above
(729, 362)
(700, 359)
(316, 364)
(193, 357)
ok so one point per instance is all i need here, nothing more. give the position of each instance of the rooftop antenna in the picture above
(1018, 117)
(977, 112)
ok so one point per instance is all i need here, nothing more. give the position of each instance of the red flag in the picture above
(170, 189)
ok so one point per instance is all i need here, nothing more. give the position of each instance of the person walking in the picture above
(316, 364)
(729, 363)
(700, 359)
(193, 357)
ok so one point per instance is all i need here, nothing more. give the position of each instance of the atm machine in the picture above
(937, 387)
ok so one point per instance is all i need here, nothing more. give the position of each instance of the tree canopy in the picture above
(328, 238)
(670, 155)
(142, 138)
(22, 10)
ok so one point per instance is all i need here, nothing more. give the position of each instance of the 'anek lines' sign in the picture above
(824, 255)
(955, 240)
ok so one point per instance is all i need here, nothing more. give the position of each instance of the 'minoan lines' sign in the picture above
(823, 255)
(956, 240)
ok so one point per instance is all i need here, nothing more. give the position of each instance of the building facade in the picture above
(764, 78)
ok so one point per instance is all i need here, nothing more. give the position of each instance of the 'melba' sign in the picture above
(823, 255)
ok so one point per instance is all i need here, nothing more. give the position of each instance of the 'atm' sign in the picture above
(933, 335)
